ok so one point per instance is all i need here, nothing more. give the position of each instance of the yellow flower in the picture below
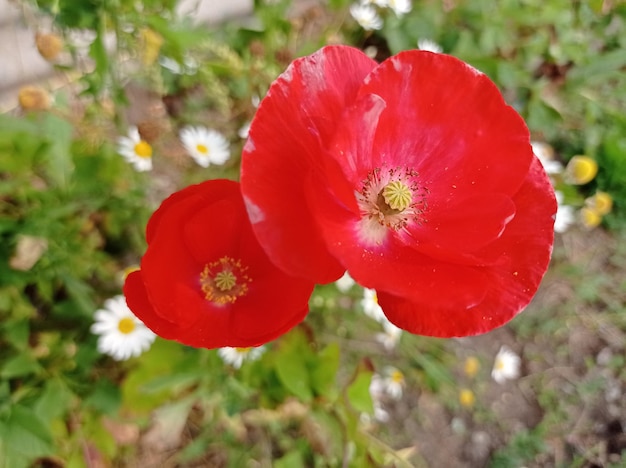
(471, 366)
(601, 203)
(152, 42)
(466, 398)
(580, 170)
(590, 217)
(49, 45)
(33, 98)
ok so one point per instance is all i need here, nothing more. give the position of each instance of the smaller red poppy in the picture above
(204, 279)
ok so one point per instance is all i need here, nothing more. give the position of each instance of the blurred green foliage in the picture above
(74, 204)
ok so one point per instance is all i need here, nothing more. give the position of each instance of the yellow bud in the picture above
(471, 366)
(152, 42)
(49, 45)
(467, 398)
(33, 98)
(580, 170)
(589, 217)
(601, 203)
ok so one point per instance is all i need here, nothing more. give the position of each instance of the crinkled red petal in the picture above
(288, 137)
(524, 253)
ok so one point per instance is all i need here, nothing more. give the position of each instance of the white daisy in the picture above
(366, 16)
(545, 154)
(429, 45)
(390, 384)
(506, 366)
(390, 336)
(136, 151)
(121, 334)
(370, 306)
(189, 67)
(205, 146)
(236, 356)
(565, 214)
(244, 130)
(399, 7)
(377, 393)
(345, 283)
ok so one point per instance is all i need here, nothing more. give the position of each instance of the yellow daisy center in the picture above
(126, 325)
(224, 281)
(202, 149)
(471, 366)
(466, 397)
(243, 350)
(499, 365)
(397, 377)
(143, 149)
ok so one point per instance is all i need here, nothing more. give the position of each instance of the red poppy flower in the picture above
(205, 281)
(414, 175)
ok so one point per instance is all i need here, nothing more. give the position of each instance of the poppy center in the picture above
(143, 149)
(224, 281)
(126, 325)
(202, 148)
(397, 195)
(389, 199)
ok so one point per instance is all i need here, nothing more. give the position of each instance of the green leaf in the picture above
(20, 366)
(59, 155)
(164, 358)
(323, 377)
(358, 392)
(54, 401)
(26, 434)
(293, 458)
(293, 373)
(106, 398)
(17, 332)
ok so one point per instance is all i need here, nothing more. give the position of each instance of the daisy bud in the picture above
(471, 366)
(467, 398)
(580, 170)
(49, 45)
(601, 203)
(590, 218)
(152, 42)
(33, 98)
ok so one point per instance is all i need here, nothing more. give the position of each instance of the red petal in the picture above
(288, 137)
(137, 301)
(450, 123)
(524, 251)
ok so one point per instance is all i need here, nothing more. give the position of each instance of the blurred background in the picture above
(94, 98)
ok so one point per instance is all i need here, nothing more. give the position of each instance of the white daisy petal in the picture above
(237, 356)
(345, 283)
(370, 306)
(565, 214)
(391, 335)
(366, 16)
(429, 45)
(121, 334)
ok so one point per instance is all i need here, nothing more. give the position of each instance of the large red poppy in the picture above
(414, 175)
(205, 281)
